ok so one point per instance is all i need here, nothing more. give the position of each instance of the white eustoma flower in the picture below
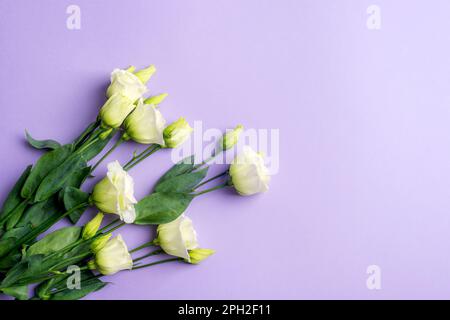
(248, 173)
(127, 84)
(115, 193)
(145, 124)
(176, 133)
(112, 257)
(177, 237)
(115, 110)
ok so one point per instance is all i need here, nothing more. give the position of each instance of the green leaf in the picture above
(76, 179)
(183, 183)
(37, 219)
(14, 198)
(9, 261)
(73, 197)
(160, 207)
(55, 241)
(17, 232)
(88, 284)
(46, 163)
(15, 215)
(186, 165)
(6, 245)
(42, 144)
(56, 179)
(43, 290)
(41, 211)
(28, 267)
(21, 292)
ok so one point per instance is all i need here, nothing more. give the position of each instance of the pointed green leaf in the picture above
(20, 293)
(56, 179)
(73, 197)
(182, 183)
(186, 165)
(160, 207)
(55, 241)
(46, 163)
(42, 144)
(88, 284)
(39, 212)
(14, 198)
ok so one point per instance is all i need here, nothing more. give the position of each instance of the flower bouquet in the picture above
(69, 263)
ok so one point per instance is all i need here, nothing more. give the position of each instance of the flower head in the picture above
(178, 237)
(127, 84)
(112, 257)
(115, 193)
(248, 173)
(145, 124)
(176, 133)
(115, 110)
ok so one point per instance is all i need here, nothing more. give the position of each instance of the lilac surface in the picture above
(364, 127)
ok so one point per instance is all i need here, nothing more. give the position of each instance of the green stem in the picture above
(157, 262)
(108, 225)
(212, 189)
(145, 245)
(142, 157)
(118, 143)
(207, 160)
(86, 133)
(153, 253)
(213, 178)
(135, 157)
(116, 227)
(76, 258)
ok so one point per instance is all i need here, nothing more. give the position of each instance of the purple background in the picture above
(364, 119)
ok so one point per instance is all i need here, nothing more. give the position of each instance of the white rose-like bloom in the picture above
(115, 193)
(112, 257)
(115, 110)
(248, 173)
(127, 84)
(177, 237)
(145, 124)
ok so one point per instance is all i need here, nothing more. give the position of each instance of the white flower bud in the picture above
(230, 138)
(91, 228)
